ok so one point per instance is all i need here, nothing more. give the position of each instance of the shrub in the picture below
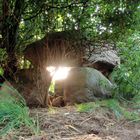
(126, 76)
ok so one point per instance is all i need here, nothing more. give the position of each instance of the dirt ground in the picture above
(68, 124)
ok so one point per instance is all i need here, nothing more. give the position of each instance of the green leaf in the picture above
(1, 71)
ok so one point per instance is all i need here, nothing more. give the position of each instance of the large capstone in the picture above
(103, 58)
(85, 85)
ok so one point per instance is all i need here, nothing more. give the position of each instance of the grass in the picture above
(136, 101)
(87, 107)
(13, 111)
(114, 105)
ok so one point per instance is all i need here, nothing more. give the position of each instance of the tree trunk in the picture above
(10, 25)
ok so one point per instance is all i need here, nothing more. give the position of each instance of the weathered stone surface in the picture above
(25, 76)
(109, 56)
(7, 89)
(59, 88)
(85, 85)
(103, 59)
(57, 48)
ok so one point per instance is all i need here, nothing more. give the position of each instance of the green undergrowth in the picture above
(136, 101)
(13, 112)
(120, 110)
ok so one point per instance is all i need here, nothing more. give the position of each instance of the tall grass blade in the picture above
(13, 111)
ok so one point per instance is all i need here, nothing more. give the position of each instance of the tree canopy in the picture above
(24, 21)
(31, 19)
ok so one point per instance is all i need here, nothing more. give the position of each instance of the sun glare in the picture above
(59, 73)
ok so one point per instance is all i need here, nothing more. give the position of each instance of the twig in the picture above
(88, 118)
(75, 129)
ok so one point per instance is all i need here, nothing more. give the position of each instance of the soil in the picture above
(67, 123)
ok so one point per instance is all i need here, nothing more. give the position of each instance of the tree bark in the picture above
(10, 26)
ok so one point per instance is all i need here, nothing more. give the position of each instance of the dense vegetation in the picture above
(115, 21)
(23, 21)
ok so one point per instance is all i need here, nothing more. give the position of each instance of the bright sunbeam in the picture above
(60, 73)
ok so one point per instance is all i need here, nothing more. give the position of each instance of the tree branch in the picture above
(52, 6)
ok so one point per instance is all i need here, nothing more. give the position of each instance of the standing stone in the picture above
(85, 85)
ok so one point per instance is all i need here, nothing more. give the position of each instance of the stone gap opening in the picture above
(59, 73)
